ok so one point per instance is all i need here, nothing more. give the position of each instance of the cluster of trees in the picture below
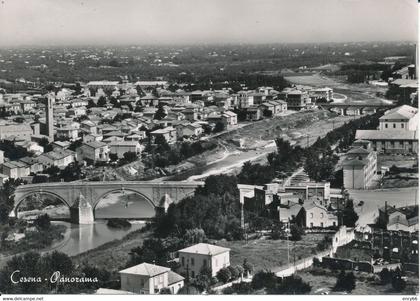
(161, 154)
(346, 282)
(230, 273)
(32, 264)
(271, 284)
(214, 208)
(12, 151)
(6, 200)
(70, 173)
(394, 277)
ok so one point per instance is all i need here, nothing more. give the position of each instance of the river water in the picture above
(81, 238)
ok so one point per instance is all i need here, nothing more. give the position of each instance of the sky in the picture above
(137, 22)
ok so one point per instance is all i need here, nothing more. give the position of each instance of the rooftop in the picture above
(145, 269)
(205, 249)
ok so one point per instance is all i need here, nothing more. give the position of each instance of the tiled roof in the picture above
(146, 269)
(205, 249)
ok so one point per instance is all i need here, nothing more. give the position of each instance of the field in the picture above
(324, 281)
(270, 254)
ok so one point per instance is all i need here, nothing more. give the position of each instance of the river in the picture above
(81, 238)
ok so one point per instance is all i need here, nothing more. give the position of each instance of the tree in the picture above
(291, 285)
(113, 157)
(194, 236)
(203, 280)
(130, 157)
(263, 279)
(219, 127)
(42, 222)
(160, 113)
(224, 275)
(233, 272)
(248, 267)
(296, 232)
(398, 283)
(350, 217)
(345, 282)
(101, 101)
(385, 275)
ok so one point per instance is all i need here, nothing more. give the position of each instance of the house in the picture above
(318, 216)
(401, 118)
(15, 169)
(30, 146)
(190, 130)
(34, 165)
(359, 166)
(399, 218)
(58, 157)
(397, 131)
(253, 113)
(20, 131)
(395, 141)
(297, 99)
(121, 147)
(94, 151)
(321, 93)
(194, 258)
(168, 133)
(229, 119)
(89, 127)
(146, 278)
(293, 214)
(69, 132)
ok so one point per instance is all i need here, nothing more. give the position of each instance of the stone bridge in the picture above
(83, 197)
(357, 107)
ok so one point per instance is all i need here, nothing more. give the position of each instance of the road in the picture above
(374, 199)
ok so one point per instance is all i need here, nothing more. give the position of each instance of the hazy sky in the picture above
(57, 22)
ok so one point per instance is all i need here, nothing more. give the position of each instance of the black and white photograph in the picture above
(208, 147)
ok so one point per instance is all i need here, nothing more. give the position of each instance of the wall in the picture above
(345, 264)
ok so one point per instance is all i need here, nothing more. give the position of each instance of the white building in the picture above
(147, 278)
(121, 147)
(194, 258)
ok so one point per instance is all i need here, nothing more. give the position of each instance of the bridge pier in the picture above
(81, 212)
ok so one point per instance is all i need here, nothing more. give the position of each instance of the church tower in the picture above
(49, 117)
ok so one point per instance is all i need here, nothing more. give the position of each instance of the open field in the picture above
(269, 254)
(325, 281)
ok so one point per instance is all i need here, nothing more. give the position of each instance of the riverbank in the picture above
(113, 255)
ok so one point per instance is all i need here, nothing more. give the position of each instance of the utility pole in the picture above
(287, 239)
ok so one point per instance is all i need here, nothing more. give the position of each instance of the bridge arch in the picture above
(104, 195)
(19, 201)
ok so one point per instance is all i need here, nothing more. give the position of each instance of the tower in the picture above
(50, 118)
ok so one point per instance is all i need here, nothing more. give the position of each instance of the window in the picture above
(386, 125)
(394, 125)
(402, 125)
(183, 260)
(205, 262)
(322, 215)
(192, 261)
(192, 274)
(312, 225)
(322, 225)
(312, 215)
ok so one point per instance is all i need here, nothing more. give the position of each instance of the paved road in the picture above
(374, 199)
